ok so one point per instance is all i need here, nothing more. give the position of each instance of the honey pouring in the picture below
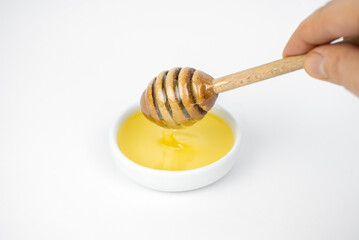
(175, 100)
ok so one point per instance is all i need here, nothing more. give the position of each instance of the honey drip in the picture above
(168, 139)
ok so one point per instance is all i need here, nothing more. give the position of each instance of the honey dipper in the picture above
(182, 96)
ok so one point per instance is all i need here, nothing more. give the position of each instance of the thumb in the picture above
(337, 63)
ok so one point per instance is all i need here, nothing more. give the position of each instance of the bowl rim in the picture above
(133, 108)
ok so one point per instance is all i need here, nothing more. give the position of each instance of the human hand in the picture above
(338, 63)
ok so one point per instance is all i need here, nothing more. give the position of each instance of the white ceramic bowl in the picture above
(165, 180)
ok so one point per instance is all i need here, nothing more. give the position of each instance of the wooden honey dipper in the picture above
(181, 97)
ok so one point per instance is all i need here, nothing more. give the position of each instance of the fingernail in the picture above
(314, 65)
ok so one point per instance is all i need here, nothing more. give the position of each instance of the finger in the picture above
(336, 63)
(339, 18)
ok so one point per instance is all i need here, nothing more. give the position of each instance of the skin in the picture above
(337, 63)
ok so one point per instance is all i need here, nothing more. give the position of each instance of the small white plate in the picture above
(185, 180)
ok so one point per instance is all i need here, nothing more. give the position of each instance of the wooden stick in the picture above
(256, 74)
(266, 71)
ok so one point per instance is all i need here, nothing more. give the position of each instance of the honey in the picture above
(196, 146)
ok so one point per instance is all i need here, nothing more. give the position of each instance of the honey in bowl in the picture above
(193, 147)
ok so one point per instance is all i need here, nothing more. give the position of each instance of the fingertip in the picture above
(293, 47)
(286, 52)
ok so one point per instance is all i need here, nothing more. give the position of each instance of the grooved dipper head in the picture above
(178, 98)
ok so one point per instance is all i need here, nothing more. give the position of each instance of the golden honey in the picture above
(151, 146)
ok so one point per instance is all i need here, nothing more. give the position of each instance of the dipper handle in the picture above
(269, 70)
(256, 74)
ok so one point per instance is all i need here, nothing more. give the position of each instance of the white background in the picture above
(67, 68)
